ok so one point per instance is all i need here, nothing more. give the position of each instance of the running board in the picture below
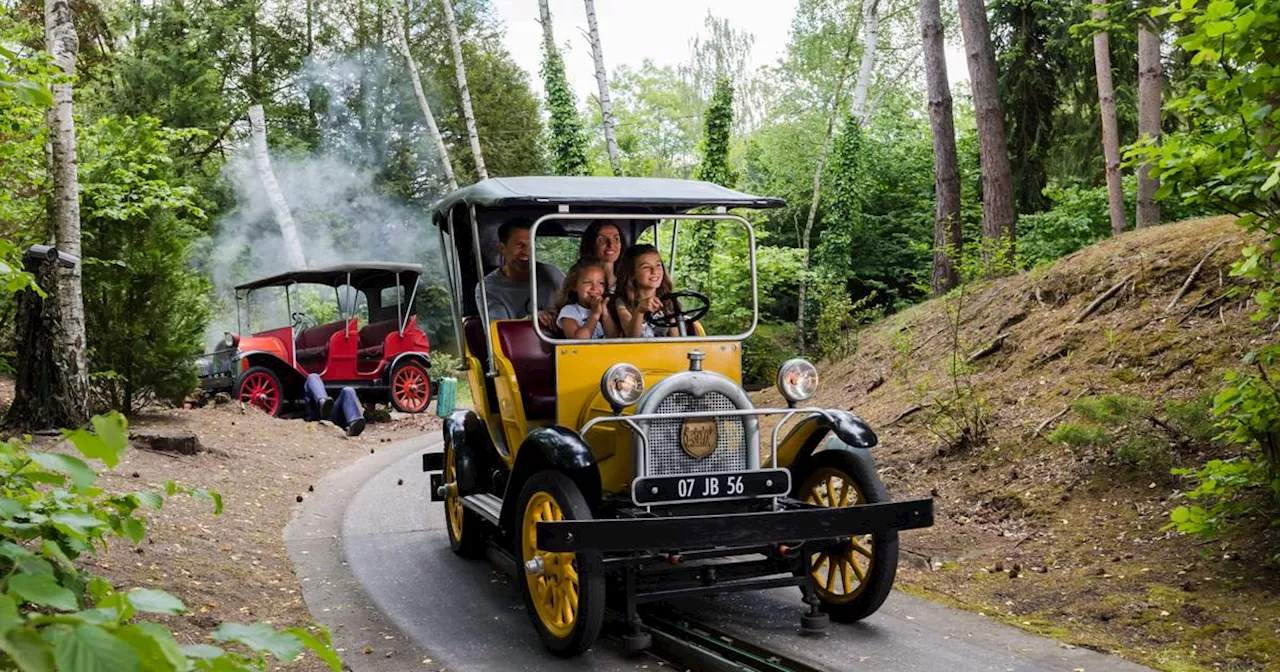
(486, 505)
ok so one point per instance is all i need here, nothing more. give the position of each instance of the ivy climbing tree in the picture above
(567, 145)
(714, 167)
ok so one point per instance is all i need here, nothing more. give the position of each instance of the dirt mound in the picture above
(1083, 521)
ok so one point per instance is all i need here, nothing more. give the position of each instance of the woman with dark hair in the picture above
(603, 242)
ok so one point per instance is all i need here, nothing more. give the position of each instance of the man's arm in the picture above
(497, 309)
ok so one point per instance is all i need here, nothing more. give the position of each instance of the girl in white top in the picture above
(584, 311)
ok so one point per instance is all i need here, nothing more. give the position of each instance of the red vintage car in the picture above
(374, 345)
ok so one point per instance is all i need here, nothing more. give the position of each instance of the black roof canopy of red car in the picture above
(362, 275)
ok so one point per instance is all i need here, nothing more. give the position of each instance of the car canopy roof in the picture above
(654, 194)
(363, 275)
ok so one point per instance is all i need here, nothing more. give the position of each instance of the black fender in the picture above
(845, 430)
(474, 454)
(556, 448)
(420, 357)
(290, 378)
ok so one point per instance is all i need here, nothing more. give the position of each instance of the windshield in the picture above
(691, 278)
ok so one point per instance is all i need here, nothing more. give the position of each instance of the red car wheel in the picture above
(260, 388)
(410, 388)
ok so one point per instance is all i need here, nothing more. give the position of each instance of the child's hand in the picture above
(652, 305)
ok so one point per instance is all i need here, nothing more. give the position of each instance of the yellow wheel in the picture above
(564, 592)
(853, 577)
(467, 531)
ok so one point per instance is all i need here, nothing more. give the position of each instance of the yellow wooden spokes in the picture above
(555, 592)
(839, 574)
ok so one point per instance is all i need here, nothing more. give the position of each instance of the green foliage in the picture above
(53, 614)
(1220, 496)
(145, 309)
(1135, 432)
(714, 167)
(764, 353)
(444, 364)
(565, 139)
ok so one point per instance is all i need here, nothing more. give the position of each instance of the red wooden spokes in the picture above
(261, 391)
(412, 389)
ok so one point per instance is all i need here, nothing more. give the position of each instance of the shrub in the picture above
(54, 614)
(1135, 432)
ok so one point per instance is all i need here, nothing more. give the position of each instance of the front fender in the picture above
(804, 438)
(558, 448)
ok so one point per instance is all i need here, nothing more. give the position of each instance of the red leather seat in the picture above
(534, 363)
(313, 343)
(372, 337)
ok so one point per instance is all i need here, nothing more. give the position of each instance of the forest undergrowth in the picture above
(1045, 413)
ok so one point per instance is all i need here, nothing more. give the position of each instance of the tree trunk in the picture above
(288, 232)
(870, 39)
(544, 16)
(1149, 74)
(463, 91)
(1110, 130)
(67, 397)
(403, 41)
(998, 215)
(948, 240)
(602, 79)
(833, 111)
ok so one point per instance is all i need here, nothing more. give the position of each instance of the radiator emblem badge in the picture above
(698, 437)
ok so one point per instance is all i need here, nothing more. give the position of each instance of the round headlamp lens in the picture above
(229, 340)
(797, 380)
(622, 385)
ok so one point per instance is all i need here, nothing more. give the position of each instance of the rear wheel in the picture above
(853, 578)
(467, 531)
(564, 592)
(260, 388)
(410, 387)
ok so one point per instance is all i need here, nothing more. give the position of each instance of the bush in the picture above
(1133, 431)
(54, 614)
(764, 353)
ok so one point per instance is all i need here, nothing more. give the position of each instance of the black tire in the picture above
(260, 387)
(468, 532)
(849, 603)
(410, 389)
(580, 634)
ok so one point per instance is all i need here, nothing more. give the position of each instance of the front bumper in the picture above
(734, 529)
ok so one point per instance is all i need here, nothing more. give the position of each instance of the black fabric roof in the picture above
(659, 193)
(362, 273)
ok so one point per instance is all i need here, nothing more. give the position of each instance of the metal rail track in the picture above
(687, 644)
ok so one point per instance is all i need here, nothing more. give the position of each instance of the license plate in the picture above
(706, 487)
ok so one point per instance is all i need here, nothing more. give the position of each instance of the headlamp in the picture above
(797, 380)
(622, 385)
(230, 340)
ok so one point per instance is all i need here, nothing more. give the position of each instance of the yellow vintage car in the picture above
(621, 471)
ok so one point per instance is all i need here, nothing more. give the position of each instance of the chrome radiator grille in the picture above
(666, 457)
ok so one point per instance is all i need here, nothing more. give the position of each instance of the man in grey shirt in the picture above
(507, 288)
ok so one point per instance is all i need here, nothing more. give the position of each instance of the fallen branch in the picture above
(903, 415)
(1192, 278)
(1058, 416)
(991, 348)
(1088, 310)
(1204, 303)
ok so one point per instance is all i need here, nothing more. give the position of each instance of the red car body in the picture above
(384, 359)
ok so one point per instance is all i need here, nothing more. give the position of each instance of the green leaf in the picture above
(43, 590)
(77, 521)
(321, 647)
(149, 499)
(28, 649)
(203, 651)
(33, 93)
(155, 601)
(155, 646)
(1180, 515)
(1271, 181)
(261, 637)
(8, 614)
(113, 429)
(88, 648)
(10, 508)
(81, 474)
(134, 530)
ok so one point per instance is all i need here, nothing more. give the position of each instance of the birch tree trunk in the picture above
(544, 16)
(262, 160)
(602, 79)
(1110, 130)
(833, 112)
(1149, 74)
(60, 398)
(870, 40)
(948, 240)
(998, 214)
(403, 42)
(463, 91)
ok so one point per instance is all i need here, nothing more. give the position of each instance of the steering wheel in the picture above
(673, 315)
(302, 321)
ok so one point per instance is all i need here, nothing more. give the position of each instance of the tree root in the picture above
(991, 348)
(1058, 416)
(1088, 310)
(1192, 278)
